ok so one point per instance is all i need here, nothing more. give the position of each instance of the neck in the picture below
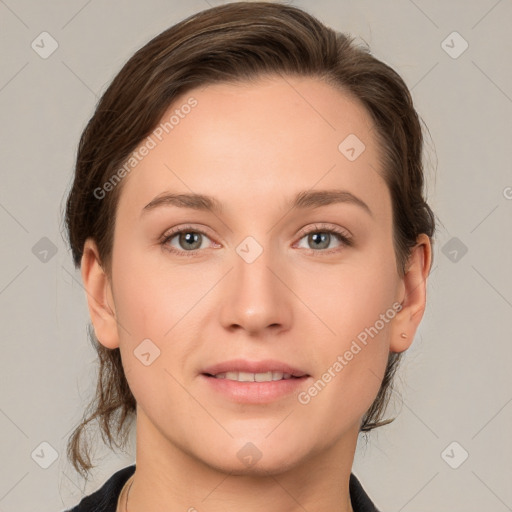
(169, 479)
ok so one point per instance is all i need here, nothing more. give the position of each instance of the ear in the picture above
(412, 295)
(100, 300)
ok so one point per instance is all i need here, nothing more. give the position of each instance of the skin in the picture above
(253, 146)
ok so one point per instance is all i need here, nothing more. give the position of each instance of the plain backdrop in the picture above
(454, 391)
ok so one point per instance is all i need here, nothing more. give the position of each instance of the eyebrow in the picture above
(303, 200)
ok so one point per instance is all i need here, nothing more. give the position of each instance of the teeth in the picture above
(244, 377)
(253, 377)
(263, 377)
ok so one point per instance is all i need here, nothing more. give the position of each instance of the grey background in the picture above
(455, 382)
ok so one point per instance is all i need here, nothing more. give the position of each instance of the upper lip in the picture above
(264, 366)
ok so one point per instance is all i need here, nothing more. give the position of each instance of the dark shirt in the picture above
(105, 499)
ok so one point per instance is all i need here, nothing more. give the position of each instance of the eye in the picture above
(320, 237)
(189, 241)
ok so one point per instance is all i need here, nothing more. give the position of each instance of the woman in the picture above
(249, 220)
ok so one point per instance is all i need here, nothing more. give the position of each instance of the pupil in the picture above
(323, 237)
(189, 237)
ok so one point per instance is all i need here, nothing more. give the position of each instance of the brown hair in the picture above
(232, 43)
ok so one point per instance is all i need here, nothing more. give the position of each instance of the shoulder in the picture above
(105, 498)
(361, 502)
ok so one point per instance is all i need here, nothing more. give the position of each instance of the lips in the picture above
(254, 382)
(254, 377)
(253, 371)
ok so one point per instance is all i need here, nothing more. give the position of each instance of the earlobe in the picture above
(99, 296)
(413, 301)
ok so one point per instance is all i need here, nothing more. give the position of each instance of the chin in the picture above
(245, 458)
(262, 468)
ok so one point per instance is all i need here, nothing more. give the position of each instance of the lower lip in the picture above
(255, 392)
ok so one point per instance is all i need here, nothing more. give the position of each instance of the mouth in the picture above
(242, 370)
(253, 377)
(255, 382)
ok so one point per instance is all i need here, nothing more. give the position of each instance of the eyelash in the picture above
(340, 235)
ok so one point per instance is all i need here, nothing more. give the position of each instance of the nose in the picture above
(255, 297)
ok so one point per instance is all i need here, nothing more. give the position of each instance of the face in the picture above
(264, 286)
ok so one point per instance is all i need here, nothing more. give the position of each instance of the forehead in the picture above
(250, 142)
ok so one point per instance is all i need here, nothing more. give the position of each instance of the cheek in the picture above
(354, 308)
(350, 363)
(151, 295)
(158, 302)
(349, 298)
(136, 302)
(151, 304)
